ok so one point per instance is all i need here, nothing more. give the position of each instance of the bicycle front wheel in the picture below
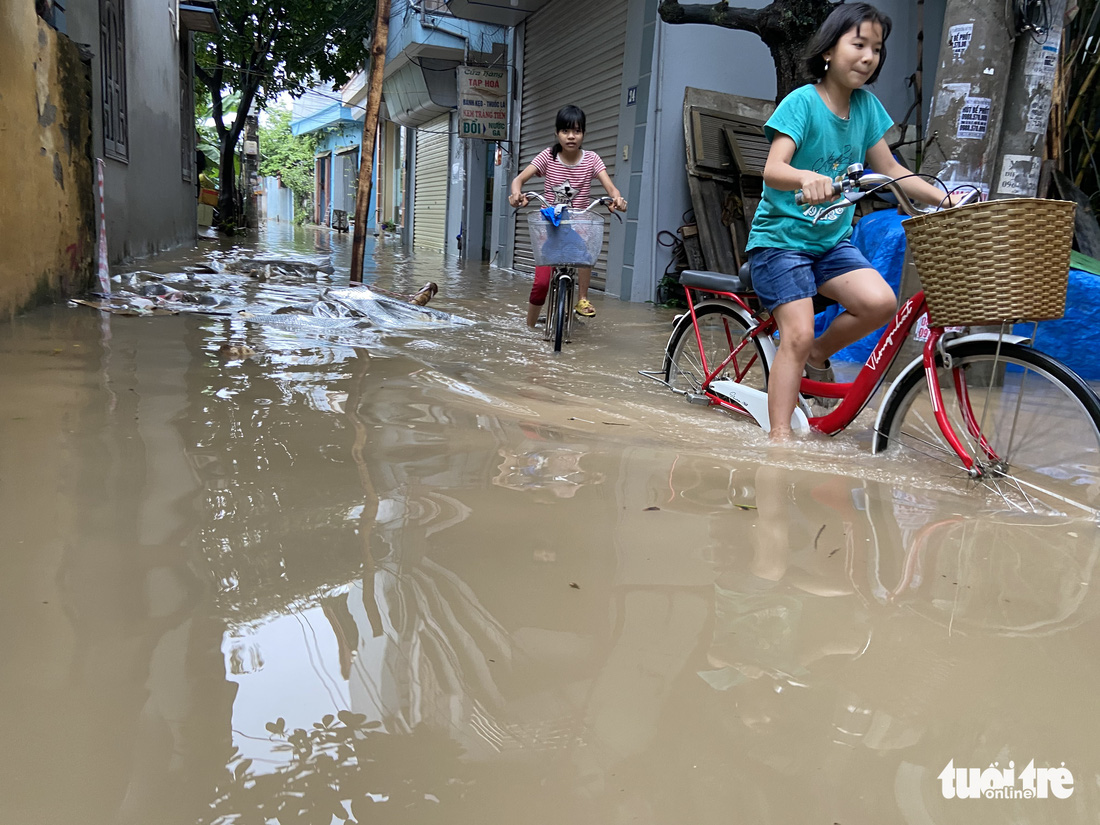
(728, 352)
(1031, 423)
(561, 311)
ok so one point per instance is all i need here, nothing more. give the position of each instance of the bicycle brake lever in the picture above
(847, 199)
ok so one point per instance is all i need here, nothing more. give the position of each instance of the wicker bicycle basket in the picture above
(995, 261)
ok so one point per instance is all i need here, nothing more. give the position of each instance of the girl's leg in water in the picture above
(539, 288)
(533, 312)
(868, 303)
(796, 336)
(584, 278)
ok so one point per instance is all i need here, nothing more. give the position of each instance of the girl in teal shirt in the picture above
(816, 132)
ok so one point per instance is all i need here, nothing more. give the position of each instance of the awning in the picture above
(497, 12)
(417, 92)
(199, 16)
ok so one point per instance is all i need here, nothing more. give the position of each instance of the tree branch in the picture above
(719, 14)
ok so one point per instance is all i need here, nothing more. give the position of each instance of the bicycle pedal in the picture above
(695, 398)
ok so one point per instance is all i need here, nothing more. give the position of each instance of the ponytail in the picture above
(554, 150)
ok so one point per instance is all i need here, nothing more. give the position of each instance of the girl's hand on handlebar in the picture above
(517, 199)
(817, 188)
(959, 197)
(618, 203)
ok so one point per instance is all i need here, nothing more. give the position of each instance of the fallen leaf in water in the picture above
(647, 509)
(745, 506)
(574, 585)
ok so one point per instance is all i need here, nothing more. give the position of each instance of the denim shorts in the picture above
(780, 276)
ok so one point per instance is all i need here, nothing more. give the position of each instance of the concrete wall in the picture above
(150, 208)
(47, 231)
(278, 201)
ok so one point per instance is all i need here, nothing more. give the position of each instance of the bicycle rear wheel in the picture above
(1032, 424)
(724, 335)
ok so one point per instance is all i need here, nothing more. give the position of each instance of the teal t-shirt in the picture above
(826, 144)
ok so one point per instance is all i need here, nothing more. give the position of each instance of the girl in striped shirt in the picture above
(568, 171)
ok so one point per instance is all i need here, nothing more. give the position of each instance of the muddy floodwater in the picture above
(257, 570)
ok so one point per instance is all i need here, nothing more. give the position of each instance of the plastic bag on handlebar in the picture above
(553, 213)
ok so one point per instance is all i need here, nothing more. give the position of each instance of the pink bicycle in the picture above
(999, 412)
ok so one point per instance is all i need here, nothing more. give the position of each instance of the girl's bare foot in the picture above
(780, 435)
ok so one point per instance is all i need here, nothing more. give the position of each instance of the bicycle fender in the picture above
(766, 344)
(918, 364)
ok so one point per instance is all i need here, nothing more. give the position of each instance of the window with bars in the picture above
(112, 59)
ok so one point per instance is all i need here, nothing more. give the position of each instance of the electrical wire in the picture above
(1031, 17)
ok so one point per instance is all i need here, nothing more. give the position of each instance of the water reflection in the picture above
(431, 577)
(807, 632)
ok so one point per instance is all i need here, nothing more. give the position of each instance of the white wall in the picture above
(706, 57)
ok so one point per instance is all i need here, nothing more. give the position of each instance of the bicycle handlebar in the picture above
(858, 183)
(604, 201)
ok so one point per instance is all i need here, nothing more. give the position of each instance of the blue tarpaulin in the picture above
(1073, 339)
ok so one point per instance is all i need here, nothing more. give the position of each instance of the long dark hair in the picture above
(569, 117)
(843, 18)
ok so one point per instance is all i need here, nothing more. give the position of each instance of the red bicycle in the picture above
(1001, 413)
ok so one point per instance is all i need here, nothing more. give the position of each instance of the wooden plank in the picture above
(708, 200)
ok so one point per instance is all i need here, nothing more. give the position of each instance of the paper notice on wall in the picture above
(1038, 114)
(948, 94)
(1042, 59)
(974, 118)
(959, 37)
(1019, 176)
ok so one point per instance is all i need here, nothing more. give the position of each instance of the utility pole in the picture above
(1027, 107)
(370, 132)
(968, 103)
(250, 171)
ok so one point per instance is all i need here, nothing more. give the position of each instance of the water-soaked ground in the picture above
(439, 575)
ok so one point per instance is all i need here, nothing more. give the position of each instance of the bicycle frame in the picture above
(853, 395)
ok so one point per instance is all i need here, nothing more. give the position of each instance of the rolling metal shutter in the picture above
(430, 189)
(571, 56)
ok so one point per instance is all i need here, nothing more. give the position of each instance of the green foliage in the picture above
(267, 47)
(287, 156)
(208, 142)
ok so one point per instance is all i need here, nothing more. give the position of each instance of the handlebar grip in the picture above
(838, 187)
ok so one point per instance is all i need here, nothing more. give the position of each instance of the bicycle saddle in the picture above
(739, 283)
(718, 281)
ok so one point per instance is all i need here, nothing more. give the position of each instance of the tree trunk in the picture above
(370, 132)
(789, 74)
(227, 186)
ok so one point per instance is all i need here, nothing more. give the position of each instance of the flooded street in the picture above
(431, 572)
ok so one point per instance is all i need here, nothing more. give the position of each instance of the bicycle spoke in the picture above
(1029, 424)
(728, 351)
